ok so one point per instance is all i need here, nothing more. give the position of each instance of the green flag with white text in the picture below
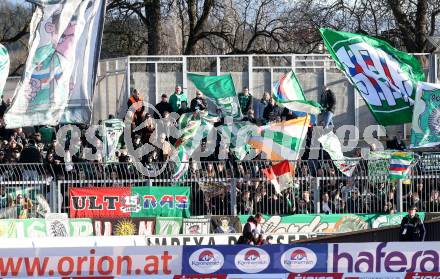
(385, 77)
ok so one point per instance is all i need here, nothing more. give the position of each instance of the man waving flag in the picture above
(386, 77)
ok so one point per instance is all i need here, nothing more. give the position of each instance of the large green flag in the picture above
(385, 77)
(221, 90)
(425, 131)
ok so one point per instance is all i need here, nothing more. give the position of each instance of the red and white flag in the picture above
(280, 175)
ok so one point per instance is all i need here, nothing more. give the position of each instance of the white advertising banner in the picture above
(376, 257)
(91, 261)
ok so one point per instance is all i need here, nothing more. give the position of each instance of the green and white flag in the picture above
(385, 77)
(236, 135)
(193, 128)
(181, 160)
(288, 92)
(113, 130)
(425, 131)
(378, 165)
(4, 67)
(330, 143)
(221, 90)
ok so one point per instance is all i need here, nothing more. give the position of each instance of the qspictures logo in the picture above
(206, 260)
(298, 259)
(252, 260)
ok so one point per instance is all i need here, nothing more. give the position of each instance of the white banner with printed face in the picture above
(4, 67)
(58, 81)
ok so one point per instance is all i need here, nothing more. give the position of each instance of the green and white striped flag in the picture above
(221, 90)
(193, 128)
(288, 92)
(283, 140)
(4, 67)
(237, 135)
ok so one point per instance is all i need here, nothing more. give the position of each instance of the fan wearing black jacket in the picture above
(412, 227)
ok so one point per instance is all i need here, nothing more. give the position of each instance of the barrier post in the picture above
(58, 193)
(399, 196)
(234, 196)
(53, 196)
(316, 194)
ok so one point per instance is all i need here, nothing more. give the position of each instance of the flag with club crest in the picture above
(113, 130)
(385, 77)
(221, 90)
(280, 175)
(400, 164)
(59, 77)
(425, 130)
(282, 140)
(4, 67)
(332, 145)
(288, 92)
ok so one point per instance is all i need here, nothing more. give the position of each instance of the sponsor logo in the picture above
(206, 260)
(252, 260)
(422, 275)
(298, 259)
(383, 257)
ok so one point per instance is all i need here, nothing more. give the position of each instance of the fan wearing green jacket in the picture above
(177, 98)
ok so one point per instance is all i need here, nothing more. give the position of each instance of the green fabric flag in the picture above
(221, 90)
(162, 201)
(385, 77)
(425, 131)
(193, 128)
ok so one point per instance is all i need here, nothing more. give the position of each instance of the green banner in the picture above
(327, 223)
(23, 228)
(162, 201)
(168, 225)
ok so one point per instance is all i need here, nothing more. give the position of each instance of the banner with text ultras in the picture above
(240, 259)
(379, 257)
(116, 202)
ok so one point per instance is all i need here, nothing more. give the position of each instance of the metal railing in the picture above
(230, 187)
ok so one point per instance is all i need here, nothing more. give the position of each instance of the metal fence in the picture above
(230, 187)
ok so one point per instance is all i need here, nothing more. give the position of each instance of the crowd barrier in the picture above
(129, 257)
(223, 187)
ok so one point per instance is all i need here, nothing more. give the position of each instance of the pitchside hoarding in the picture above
(116, 257)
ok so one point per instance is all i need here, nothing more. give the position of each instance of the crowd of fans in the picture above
(336, 193)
